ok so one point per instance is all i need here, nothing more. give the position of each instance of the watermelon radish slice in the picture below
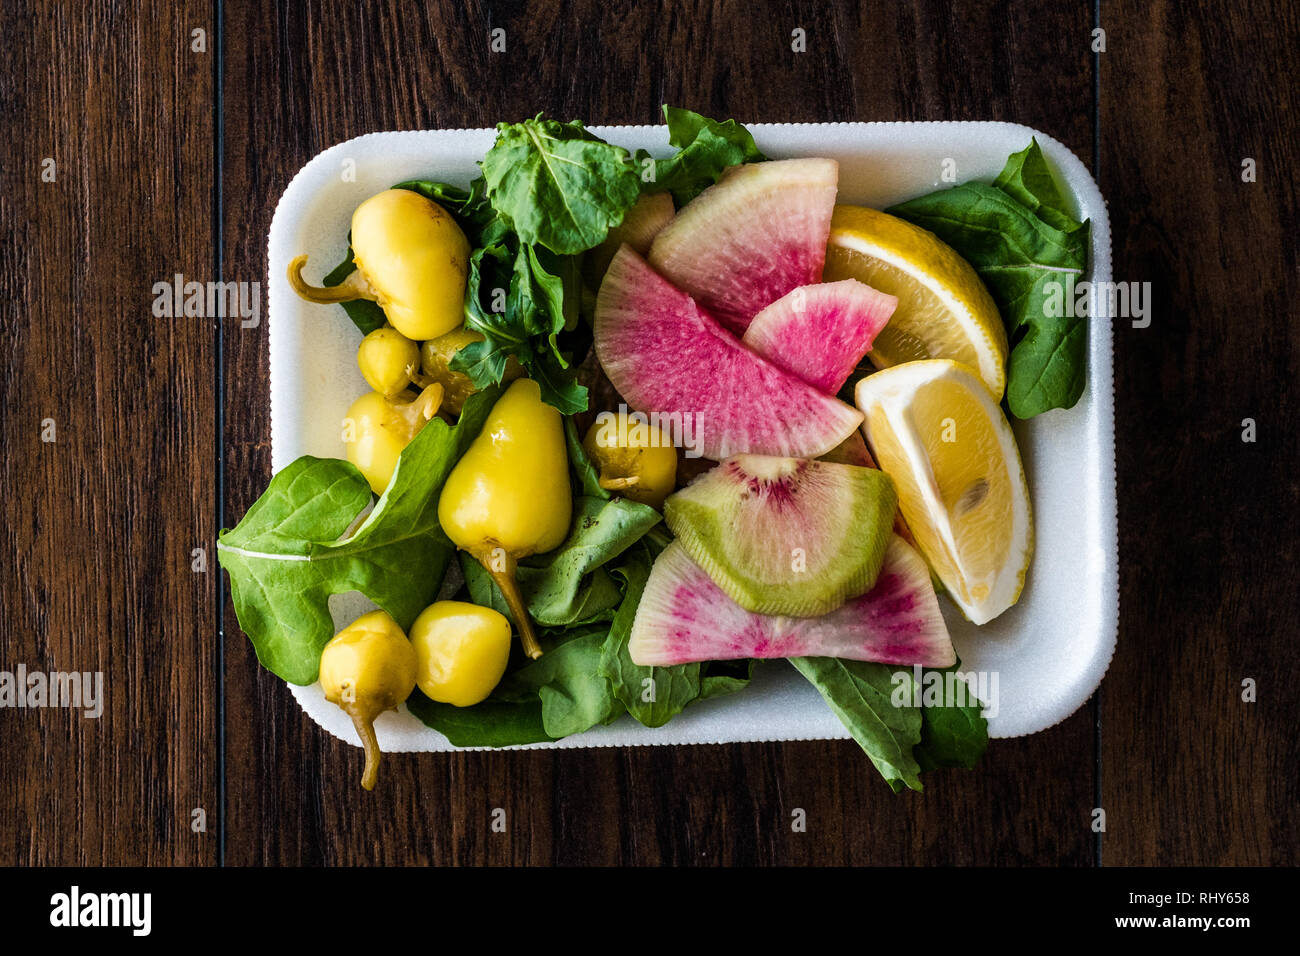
(664, 355)
(821, 332)
(748, 240)
(684, 617)
(786, 535)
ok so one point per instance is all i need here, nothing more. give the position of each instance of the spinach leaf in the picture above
(558, 185)
(951, 735)
(705, 148)
(286, 557)
(720, 678)
(570, 585)
(653, 695)
(567, 680)
(492, 723)
(860, 694)
(560, 693)
(583, 468)
(1027, 179)
(1022, 242)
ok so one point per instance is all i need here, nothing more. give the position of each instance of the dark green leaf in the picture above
(1020, 257)
(720, 678)
(569, 585)
(489, 724)
(705, 148)
(1048, 365)
(567, 680)
(653, 695)
(285, 558)
(559, 386)
(560, 186)
(953, 734)
(861, 695)
(521, 298)
(1029, 181)
(587, 476)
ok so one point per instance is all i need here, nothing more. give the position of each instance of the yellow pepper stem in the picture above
(363, 719)
(418, 378)
(618, 484)
(505, 580)
(353, 287)
(422, 408)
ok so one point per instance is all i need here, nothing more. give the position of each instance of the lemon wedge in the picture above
(944, 311)
(936, 431)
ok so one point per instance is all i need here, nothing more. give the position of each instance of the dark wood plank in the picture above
(302, 79)
(1209, 523)
(97, 527)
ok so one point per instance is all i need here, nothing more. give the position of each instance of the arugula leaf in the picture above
(570, 585)
(286, 557)
(1020, 238)
(860, 695)
(531, 296)
(558, 384)
(671, 688)
(705, 148)
(492, 723)
(560, 186)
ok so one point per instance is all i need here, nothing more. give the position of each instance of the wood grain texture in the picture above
(306, 76)
(97, 526)
(1208, 523)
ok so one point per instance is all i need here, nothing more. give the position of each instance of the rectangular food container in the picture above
(1047, 654)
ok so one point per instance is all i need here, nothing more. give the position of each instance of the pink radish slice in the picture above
(683, 617)
(665, 355)
(757, 234)
(821, 332)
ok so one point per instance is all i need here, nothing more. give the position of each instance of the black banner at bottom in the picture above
(329, 906)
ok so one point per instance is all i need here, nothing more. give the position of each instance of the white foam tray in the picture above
(1049, 652)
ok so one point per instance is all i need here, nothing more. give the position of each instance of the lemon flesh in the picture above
(935, 430)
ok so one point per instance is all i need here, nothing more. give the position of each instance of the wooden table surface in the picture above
(170, 150)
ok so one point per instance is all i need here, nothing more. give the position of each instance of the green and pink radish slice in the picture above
(664, 355)
(684, 617)
(821, 332)
(786, 535)
(757, 234)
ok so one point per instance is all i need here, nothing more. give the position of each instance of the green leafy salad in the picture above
(591, 305)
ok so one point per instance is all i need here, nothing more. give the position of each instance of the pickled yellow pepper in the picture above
(509, 496)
